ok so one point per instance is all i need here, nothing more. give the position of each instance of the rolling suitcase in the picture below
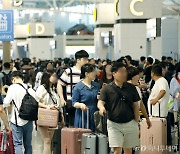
(71, 138)
(154, 140)
(94, 144)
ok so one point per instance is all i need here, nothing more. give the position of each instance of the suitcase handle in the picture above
(87, 119)
(151, 106)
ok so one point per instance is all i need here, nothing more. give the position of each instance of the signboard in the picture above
(132, 9)
(6, 25)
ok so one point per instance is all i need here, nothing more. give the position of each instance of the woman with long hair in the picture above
(47, 94)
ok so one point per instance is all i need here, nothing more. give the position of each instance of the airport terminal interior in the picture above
(90, 55)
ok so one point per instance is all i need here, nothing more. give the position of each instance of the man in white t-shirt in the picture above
(21, 129)
(69, 78)
(160, 93)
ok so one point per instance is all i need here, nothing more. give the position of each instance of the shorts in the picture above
(124, 135)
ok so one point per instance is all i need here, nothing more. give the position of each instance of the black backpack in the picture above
(29, 107)
(6, 79)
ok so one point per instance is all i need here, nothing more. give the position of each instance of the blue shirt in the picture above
(88, 96)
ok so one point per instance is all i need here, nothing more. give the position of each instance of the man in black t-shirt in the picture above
(120, 100)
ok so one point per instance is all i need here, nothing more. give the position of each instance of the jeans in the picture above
(22, 135)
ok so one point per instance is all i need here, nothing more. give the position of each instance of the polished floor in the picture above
(38, 144)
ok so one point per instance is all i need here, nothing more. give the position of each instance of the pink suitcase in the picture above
(71, 138)
(48, 117)
(154, 140)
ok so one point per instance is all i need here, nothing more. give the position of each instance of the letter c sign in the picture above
(132, 9)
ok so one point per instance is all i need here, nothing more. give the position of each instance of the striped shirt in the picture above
(65, 80)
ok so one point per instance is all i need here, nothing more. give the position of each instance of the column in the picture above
(6, 45)
(130, 28)
(104, 21)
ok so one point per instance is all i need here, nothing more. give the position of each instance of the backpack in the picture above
(29, 107)
(6, 79)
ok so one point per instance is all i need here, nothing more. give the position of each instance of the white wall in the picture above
(130, 39)
(105, 13)
(40, 48)
(60, 46)
(156, 48)
(170, 37)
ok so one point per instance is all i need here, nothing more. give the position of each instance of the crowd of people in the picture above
(126, 90)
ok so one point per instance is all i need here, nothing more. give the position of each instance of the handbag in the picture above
(47, 117)
(100, 123)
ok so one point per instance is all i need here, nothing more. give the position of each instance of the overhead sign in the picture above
(132, 9)
(6, 25)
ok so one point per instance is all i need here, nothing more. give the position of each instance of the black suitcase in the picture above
(56, 142)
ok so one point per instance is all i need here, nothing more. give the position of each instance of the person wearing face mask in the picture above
(85, 97)
(47, 95)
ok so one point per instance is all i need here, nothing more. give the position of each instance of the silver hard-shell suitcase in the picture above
(93, 143)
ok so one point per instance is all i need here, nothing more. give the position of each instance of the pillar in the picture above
(130, 29)
(103, 32)
(6, 45)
